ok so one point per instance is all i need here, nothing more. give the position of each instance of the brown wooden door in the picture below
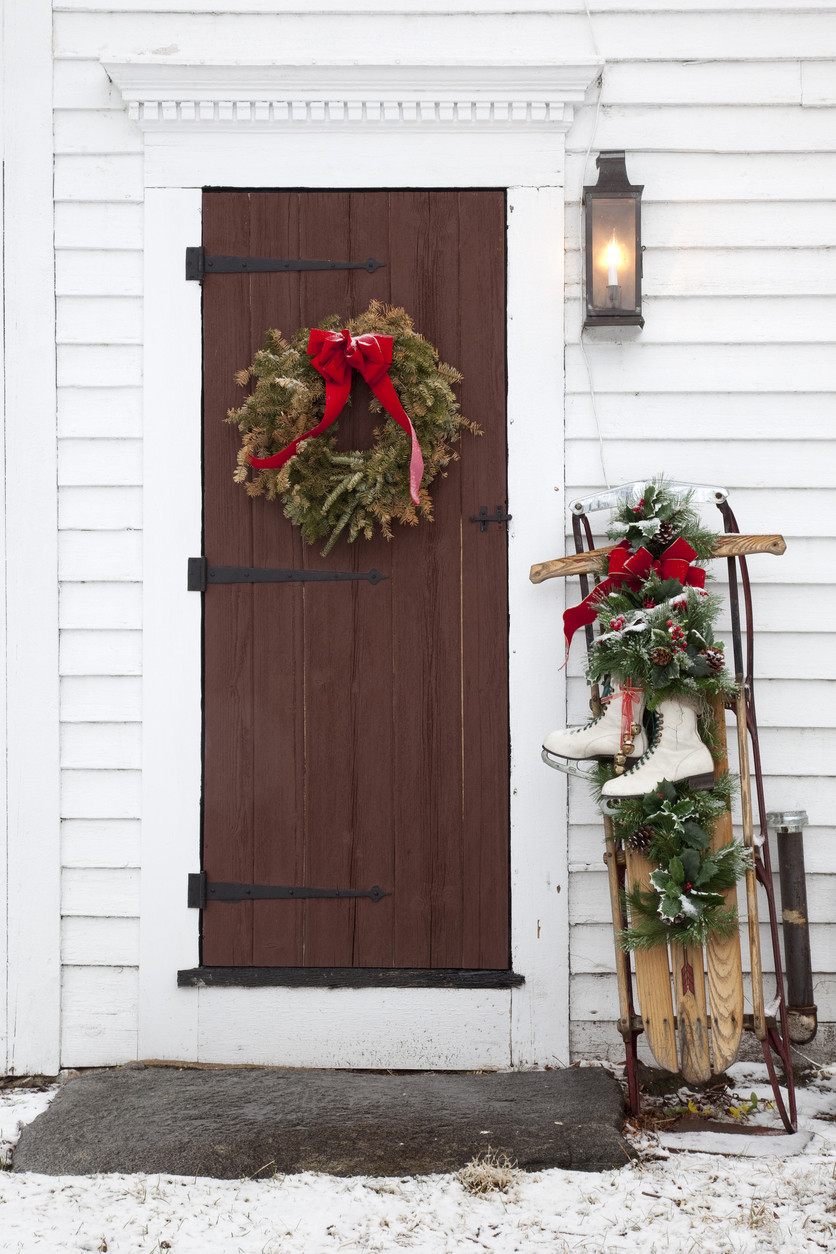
(357, 735)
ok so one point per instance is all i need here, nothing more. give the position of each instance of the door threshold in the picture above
(345, 977)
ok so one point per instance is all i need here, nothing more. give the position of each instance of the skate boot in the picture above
(676, 753)
(616, 733)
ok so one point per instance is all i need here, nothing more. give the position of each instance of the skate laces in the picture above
(653, 742)
(629, 694)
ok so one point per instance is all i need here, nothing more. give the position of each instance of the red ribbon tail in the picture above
(384, 390)
(581, 615)
(336, 395)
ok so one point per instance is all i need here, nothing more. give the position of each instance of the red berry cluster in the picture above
(617, 623)
(649, 603)
(637, 509)
(679, 640)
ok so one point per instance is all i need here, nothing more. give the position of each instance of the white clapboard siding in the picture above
(111, 462)
(96, 745)
(101, 699)
(111, 892)
(713, 367)
(100, 320)
(90, 224)
(696, 176)
(99, 1016)
(104, 365)
(101, 652)
(100, 605)
(749, 464)
(94, 509)
(98, 272)
(777, 416)
(111, 177)
(100, 794)
(685, 319)
(698, 128)
(100, 555)
(100, 942)
(648, 36)
(96, 131)
(728, 272)
(89, 843)
(714, 83)
(85, 85)
(724, 224)
(98, 411)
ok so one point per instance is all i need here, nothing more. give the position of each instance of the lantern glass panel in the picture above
(613, 253)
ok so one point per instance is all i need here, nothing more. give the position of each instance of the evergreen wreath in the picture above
(325, 491)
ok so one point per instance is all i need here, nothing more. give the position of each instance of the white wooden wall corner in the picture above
(462, 125)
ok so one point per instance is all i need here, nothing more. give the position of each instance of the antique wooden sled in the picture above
(691, 1001)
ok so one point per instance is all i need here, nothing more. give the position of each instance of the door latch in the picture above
(483, 517)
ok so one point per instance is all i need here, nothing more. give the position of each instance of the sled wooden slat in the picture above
(689, 985)
(587, 563)
(759, 1019)
(653, 980)
(722, 954)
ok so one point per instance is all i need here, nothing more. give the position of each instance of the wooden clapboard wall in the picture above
(727, 116)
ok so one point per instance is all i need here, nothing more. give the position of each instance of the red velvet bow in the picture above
(675, 563)
(335, 354)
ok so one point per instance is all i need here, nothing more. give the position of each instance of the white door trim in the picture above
(523, 152)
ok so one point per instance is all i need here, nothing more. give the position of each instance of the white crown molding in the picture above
(166, 95)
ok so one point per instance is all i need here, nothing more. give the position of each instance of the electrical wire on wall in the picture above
(581, 247)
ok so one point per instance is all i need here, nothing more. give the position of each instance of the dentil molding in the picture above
(164, 95)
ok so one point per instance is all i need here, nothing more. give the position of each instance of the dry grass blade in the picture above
(490, 1172)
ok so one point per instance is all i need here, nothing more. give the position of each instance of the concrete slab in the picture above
(242, 1122)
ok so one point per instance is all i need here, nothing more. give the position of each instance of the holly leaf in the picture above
(695, 835)
(676, 870)
(699, 668)
(668, 589)
(690, 860)
(670, 907)
(667, 789)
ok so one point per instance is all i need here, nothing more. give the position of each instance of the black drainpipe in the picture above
(802, 1011)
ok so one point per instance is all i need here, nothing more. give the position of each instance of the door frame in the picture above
(489, 143)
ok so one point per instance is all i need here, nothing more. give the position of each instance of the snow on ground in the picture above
(667, 1204)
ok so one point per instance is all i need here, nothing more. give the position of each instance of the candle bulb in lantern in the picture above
(612, 260)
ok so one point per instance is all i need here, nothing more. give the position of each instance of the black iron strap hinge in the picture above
(198, 265)
(201, 574)
(483, 517)
(201, 892)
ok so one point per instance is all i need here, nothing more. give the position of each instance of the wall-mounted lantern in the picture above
(613, 247)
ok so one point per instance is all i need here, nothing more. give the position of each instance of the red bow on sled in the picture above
(335, 354)
(632, 570)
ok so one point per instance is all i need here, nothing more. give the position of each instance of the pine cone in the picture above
(661, 656)
(641, 837)
(715, 659)
(677, 919)
(665, 533)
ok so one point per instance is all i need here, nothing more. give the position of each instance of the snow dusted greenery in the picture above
(687, 903)
(683, 1203)
(659, 633)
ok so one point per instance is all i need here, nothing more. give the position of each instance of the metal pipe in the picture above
(802, 1012)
